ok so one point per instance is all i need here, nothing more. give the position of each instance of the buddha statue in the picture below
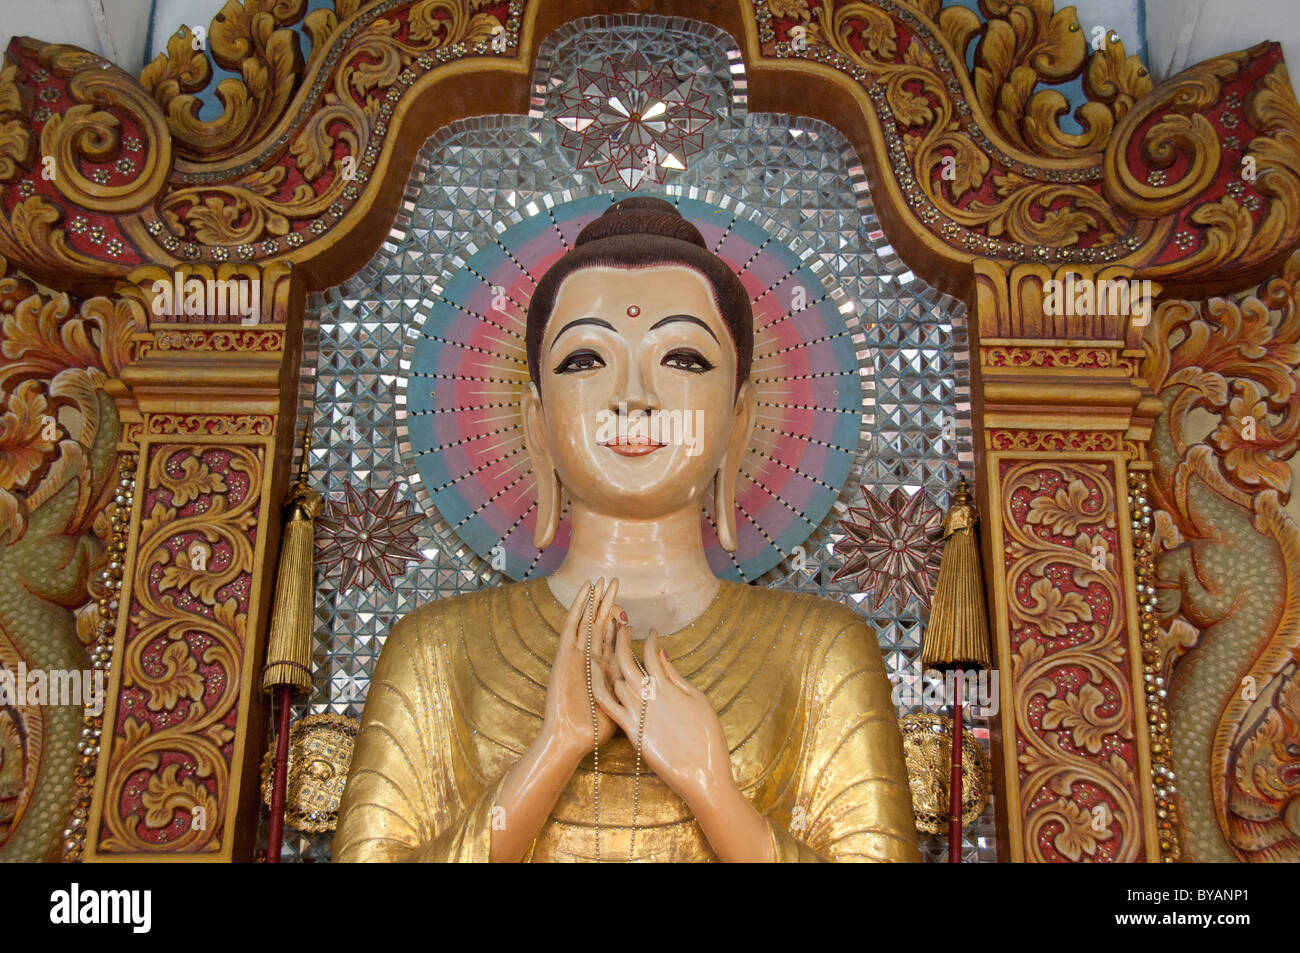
(631, 705)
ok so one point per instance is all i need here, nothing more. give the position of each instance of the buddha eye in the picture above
(580, 361)
(684, 359)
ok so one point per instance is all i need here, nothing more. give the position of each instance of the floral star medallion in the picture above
(367, 539)
(631, 121)
(892, 547)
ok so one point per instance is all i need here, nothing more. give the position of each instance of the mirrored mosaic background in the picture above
(380, 554)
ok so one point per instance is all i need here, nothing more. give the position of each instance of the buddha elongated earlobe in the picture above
(548, 508)
(548, 478)
(724, 501)
(724, 481)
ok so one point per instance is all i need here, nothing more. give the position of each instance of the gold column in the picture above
(1065, 420)
(207, 407)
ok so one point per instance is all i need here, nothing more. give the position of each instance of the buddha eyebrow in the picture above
(684, 317)
(573, 324)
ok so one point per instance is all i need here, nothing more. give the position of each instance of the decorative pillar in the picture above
(1065, 421)
(208, 421)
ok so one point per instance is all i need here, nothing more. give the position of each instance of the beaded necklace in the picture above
(595, 736)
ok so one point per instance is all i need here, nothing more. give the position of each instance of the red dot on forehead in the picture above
(633, 311)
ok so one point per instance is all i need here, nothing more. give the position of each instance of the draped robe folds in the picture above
(458, 695)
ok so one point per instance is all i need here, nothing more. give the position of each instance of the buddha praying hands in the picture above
(550, 720)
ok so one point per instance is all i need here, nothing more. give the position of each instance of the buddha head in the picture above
(639, 343)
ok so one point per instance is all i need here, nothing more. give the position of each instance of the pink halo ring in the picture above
(458, 402)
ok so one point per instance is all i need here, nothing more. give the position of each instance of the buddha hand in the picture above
(567, 718)
(684, 743)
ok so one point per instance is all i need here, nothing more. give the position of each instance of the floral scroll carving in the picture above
(1073, 701)
(346, 127)
(285, 169)
(1025, 188)
(85, 139)
(1210, 214)
(181, 660)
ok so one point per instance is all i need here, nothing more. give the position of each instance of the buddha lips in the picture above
(643, 433)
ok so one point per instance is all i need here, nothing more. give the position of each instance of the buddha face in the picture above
(638, 407)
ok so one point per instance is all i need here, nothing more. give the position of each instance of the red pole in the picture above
(954, 782)
(275, 830)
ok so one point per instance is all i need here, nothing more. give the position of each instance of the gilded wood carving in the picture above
(1228, 551)
(108, 183)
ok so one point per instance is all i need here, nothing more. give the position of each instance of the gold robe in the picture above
(458, 692)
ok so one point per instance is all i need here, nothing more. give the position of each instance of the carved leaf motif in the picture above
(971, 163)
(1248, 442)
(1230, 228)
(244, 38)
(182, 70)
(264, 182)
(1033, 760)
(1275, 111)
(959, 25)
(245, 26)
(166, 793)
(38, 334)
(180, 679)
(10, 100)
(1031, 650)
(1065, 225)
(1077, 713)
(878, 34)
(318, 25)
(1077, 836)
(917, 55)
(158, 517)
(1052, 610)
(33, 220)
(910, 109)
(789, 9)
(227, 614)
(23, 447)
(364, 77)
(195, 479)
(1117, 79)
(1063, 512)
(214, 221)
(202, 583)
(313, 147)
(135, 731)
(15, 144)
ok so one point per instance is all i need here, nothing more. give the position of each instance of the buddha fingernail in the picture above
(623, 616)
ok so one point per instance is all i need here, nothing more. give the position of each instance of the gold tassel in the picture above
(288, 650)
(958, 631)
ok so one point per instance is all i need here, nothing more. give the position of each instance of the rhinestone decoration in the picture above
(892, 546)
(633, 121)
(100, 652)
(366, 539)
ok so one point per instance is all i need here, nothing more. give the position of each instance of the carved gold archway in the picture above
(1154, 188)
